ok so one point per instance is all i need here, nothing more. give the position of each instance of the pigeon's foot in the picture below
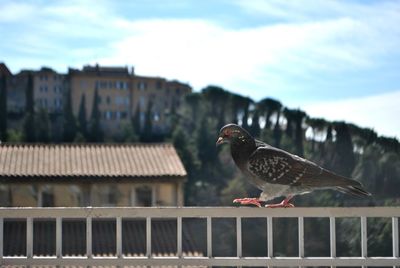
(248, 201)
(284, 204)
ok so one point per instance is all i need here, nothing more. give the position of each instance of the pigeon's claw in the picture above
(280, 205)
(248, 201)
(284, 204)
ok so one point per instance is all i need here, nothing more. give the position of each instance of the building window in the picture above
(110, 84)
(158, 85)
(142, 102)
(46, 196)
(156, 116)
(124, 115)
(57, 103)
(142, 85)
(108, 115)
(108, 195)
(5, 195)
(77, 196)
(103, 84)
(108, 100)
(144, 195)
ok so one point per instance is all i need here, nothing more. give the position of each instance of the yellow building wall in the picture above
(74, 195)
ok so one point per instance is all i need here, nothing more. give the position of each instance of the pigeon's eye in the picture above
(226, 134)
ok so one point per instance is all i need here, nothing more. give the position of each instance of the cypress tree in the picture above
(43, 126)
(148, 123)
(136, 121)
(3, 108)
(82, 117)
(29, 125)
(255, 128)
(69, 121)
(95, 131)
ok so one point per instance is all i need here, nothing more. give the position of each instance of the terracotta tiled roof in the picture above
(90, 160)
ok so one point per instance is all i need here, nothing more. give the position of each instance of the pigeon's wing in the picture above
(273, 165)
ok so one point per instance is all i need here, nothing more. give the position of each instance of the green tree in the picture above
(69, 121)
(3, 108)
(194, 102)
(299, 131)
(318, 126)
(43, 126)
(127, 134)
(136, 121)
(82, 117)
(29, 126)
(95, 131)
(148, 123)
(343, 160)
(245, 104)
(217, 98)
(255, 128)
(269, 106)
(289, 115)
(277, 132)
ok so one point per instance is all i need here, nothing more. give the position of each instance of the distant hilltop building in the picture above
(121, 95)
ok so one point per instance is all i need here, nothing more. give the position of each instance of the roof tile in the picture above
(99, 160)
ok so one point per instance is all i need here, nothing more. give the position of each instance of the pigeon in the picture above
(279, 173)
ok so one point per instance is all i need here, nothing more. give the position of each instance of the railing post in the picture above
(209, 237)
(395, 236)
(29, 237)
(364, 238)
(179, 236)
(332, 229)
(1, 237)
(270, 238)
(118, 229)
(59, 237)
(301, 237)
(148, 237)
(89, 237)
(239, 237)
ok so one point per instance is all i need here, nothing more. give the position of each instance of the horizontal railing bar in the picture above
(217, 261)
(200, 212)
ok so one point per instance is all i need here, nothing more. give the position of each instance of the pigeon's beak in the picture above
(220, 141)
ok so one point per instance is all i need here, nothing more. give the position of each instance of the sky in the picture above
(334, 59)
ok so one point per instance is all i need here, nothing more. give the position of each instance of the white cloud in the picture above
(203, 52)
(379, 112)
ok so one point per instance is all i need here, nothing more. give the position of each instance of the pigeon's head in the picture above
(232, 132)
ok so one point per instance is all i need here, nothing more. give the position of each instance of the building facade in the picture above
(121, 94)
(49, 88)
(113, 85)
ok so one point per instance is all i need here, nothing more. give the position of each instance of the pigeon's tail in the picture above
(353, 190)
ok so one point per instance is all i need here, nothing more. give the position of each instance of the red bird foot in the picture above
(248, 201)
(284, 204)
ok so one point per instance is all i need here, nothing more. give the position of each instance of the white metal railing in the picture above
(209, 213)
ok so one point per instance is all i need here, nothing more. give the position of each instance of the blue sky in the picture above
(334, 59)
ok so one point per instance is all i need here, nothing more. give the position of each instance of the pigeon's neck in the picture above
(241, 149)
